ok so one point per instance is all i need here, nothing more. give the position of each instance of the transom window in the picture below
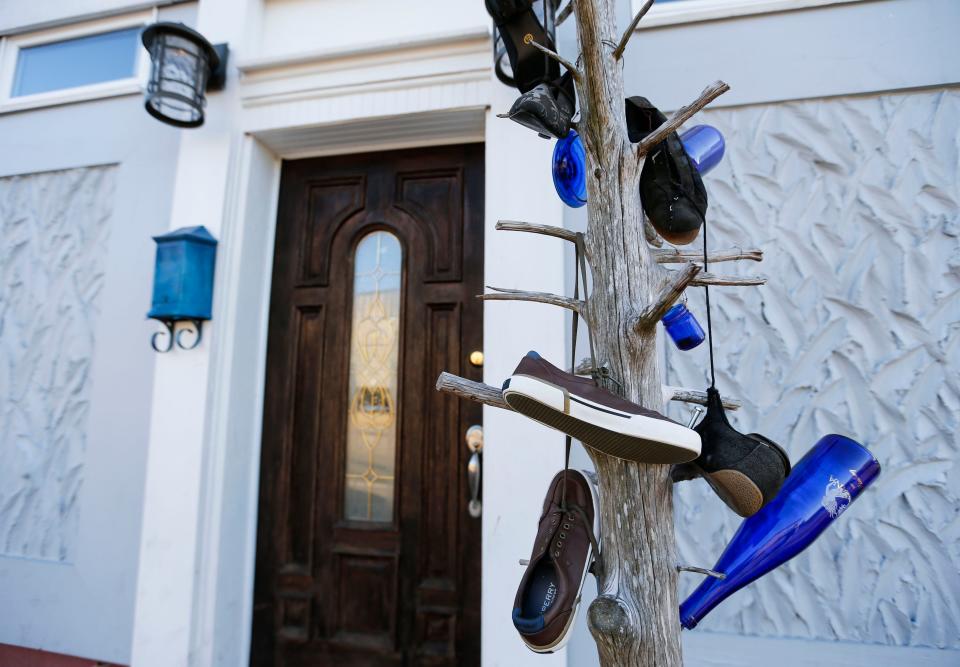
(81, 61)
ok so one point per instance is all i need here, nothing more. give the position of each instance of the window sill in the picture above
(692, 11)
(72, 95)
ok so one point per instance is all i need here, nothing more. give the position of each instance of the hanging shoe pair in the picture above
(671, 188)
(548, 99)
(564, 550)
(595, 416)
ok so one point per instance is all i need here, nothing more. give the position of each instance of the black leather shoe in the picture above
(671, 189)
(745, 471)
(547, 109)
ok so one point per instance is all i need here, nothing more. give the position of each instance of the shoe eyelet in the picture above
(563, 536)
(566, 526)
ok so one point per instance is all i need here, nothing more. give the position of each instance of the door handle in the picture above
(474, 438)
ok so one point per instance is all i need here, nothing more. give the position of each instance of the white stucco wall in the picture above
(856, 205)
(84, 187)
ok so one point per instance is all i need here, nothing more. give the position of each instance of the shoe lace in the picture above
(597, 373)
(569, 515)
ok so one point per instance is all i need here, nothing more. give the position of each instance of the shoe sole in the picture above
(680, 238)
(736, 490)
(564, 637)
(619, 434)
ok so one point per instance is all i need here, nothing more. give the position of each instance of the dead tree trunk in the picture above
(634, 620)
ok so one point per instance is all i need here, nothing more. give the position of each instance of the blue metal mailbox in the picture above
(183, 281)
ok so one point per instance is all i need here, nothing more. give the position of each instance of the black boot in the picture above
(745, 471)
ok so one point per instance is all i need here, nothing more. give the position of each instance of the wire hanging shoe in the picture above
(745, 471)
(671, 190)
(546, 109)
(597, 417)
(565, 549)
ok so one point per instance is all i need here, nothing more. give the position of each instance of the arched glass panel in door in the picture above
(373, 399)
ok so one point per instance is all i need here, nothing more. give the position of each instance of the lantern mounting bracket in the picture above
(175, 337)
(218, 73)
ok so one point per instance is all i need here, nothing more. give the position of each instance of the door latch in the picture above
(474, 438)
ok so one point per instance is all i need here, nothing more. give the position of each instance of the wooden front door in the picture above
(366, 553)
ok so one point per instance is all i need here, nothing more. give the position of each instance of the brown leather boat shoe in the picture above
(548, 597)
(598, 418)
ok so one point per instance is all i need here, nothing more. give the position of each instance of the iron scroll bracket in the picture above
(174, 337)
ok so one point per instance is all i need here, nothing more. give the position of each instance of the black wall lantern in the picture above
(184, 66)
(546, 11)
(183, 284)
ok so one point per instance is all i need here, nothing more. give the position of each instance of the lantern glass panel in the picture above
(178, 79)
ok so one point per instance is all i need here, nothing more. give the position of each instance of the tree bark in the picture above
(634, 619)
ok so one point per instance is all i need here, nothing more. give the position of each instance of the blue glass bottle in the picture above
(570, 170)
(703, 143)
(685, 332)
(705, 146)
(822, 485)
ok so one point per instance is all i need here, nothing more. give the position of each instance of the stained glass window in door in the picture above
(372, 401)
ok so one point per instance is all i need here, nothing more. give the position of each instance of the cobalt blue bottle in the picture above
(685, 332)
(705, 146)
(822, 485)
(570, 170)
(703, 143)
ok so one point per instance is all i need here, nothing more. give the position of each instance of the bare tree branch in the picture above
(651, 234)
(556, 56)
(667, 297)
(677, 256)
(735, 281)
(471, 390)
(533, 228)
(503, 294)
(693, 396)
(701, 570)
(681, 116)
(565, 13)
(484, 393)
(622, 46)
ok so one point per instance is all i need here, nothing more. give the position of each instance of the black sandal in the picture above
(518, 26)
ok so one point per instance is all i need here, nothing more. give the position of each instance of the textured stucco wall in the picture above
(54, 227)
(856, 204)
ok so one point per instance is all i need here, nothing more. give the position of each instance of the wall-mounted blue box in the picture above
(183, 276)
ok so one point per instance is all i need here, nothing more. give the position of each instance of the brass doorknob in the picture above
(476, 358)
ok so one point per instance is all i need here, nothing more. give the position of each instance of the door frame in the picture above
(226, 553)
